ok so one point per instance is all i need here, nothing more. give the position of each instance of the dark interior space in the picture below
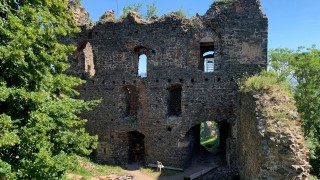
(174, 104)
(224, 129)
(136, 147)
(199, 153)
(131, 100)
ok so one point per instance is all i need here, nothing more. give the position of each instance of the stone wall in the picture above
(238, 33)
(270, 141)
(80, 15)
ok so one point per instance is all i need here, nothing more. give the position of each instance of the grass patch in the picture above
(277, 104)
(263, 81)
(211, 144)
(88, 169)
(313, 178)
(209, 135)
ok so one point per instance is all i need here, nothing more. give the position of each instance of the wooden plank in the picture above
(197, 174)
(166, 167)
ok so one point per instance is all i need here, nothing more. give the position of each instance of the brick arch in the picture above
(141, 50)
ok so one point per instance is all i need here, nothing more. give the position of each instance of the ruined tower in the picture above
(191, 67)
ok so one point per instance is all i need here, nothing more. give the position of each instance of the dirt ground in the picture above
(200, 162)
(138, 175)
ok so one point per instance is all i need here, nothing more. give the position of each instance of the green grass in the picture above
(210, 144)
(313, 178)
(263, 81)
(209, 141)
(97, 170)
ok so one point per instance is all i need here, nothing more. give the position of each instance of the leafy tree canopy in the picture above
(40, 132)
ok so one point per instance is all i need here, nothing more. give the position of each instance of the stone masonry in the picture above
(192, 65)
(162, 112)
(270, 141)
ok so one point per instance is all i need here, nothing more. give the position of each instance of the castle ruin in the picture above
(192, 65)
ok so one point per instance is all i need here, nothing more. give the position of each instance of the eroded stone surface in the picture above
(173, 47)
(135, 110)
(270, 141)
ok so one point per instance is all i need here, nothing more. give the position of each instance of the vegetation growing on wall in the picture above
(180, 13)
(267, 82)
(301, 68)
(263, 82)
(152, 10)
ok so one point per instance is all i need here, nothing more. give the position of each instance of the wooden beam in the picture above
(166, 167)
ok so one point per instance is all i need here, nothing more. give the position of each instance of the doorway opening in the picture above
(209, 136)
(136, 147)
(208, 142)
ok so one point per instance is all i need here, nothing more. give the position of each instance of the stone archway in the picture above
(199, 153)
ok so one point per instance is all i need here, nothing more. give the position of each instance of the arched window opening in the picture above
(142, 68)
(207, 53)
(88, 56)
(174, 105)
(131, 100)
(82, 62)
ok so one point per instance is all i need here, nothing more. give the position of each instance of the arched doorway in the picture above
(210, 136)
(208, 142)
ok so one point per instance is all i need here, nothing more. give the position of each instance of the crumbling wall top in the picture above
(80, 15)
(237, 7)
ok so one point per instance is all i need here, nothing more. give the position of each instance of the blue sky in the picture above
(292, 23)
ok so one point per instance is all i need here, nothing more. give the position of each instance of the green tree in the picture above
(40, 131)
(306, 68)
(152, 10)
(180, 13)
(279, 60)
(303, 66)
(135, 8)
